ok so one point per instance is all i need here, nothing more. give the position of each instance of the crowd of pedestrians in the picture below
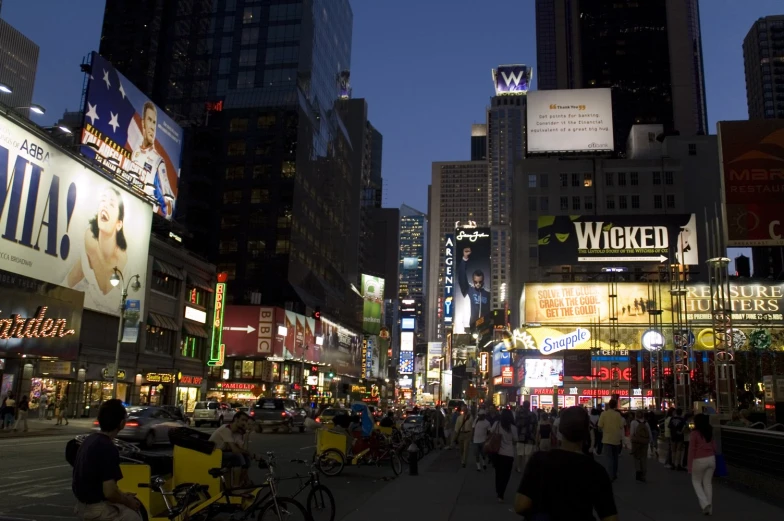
(545, 446)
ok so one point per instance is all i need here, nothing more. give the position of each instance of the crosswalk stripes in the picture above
(36, 488)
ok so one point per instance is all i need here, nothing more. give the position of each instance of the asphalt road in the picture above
(35, 479)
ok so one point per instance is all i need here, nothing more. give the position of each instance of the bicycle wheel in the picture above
(397, 465)
(282, 509)
(321, 504)
(330, 462)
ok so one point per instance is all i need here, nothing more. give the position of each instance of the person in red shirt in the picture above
(702, 461)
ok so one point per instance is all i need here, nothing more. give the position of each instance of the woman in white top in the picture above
(481, 428)
(504, 460)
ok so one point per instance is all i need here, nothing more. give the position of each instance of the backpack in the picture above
(527, 425)
(641, 434)
(676, 429)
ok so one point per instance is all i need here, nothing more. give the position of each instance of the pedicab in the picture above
(337, 448)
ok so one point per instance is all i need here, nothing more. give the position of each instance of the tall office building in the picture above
(649, 52)
(763, 56)
(269, 187)
(478, 142)
(457, 193)
(411, 258)
(18, 65)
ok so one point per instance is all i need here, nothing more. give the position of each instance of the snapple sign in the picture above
(568, 341)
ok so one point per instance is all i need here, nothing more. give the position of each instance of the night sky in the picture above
(423, 65)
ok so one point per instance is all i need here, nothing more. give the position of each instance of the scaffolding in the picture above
(615, 344)
(682, 337)
(655, 344)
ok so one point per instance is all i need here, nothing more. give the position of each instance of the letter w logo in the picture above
(511, 79)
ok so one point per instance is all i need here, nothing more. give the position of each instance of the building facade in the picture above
(590, 43)
(479, 142)
(18, 66)
(411, 258)
(763, 57)
(458, 193)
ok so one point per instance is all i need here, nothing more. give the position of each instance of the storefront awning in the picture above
(200, 283)
(194, 330)
(162, 321)
(167, 269)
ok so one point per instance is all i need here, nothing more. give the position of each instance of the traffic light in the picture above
(330, 374)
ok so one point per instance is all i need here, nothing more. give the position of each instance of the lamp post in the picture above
(133, 283)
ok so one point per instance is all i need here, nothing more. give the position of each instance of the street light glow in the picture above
(6, 89)
(38, 109)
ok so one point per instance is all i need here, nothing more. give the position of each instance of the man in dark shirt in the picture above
(539, 494)
(97, 471)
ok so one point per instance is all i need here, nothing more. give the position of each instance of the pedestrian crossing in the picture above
(35, 488)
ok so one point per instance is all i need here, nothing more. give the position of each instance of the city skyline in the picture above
(421, 80)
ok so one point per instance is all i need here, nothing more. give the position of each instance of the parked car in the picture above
(277, 413)
(176, 412)
(147, 425)
(214, 413)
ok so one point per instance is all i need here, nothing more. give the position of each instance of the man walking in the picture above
(677, 438)
(611, 425)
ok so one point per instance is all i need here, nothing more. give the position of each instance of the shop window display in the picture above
(54, 389)
(95, 393)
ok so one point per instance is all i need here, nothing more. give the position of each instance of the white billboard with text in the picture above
(65, 224)
(577, 120)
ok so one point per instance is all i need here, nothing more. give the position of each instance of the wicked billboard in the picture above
(572, 239)
(38, 318)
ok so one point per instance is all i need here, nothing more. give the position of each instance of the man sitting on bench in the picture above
(235, 456)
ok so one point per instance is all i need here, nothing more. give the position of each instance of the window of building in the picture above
(165, 283)
(576, 202)
(246, 79)
(608, 178)
(261, 171)
(635, 202)
(228, 24)
(235, 172)
(657, 178)
(657, 201)
(575, 179)
(587, 180)
(621, 178)
(238, 125)
(533, 226)
(533, 252)
(251, 15)
(531, 180)
(288, 170)
(670, 200)
(564, 203)
(224, 65)
(669, 177)
(222, 86)
(544, 180)
(265, 121)
(248, 58)
(564, 180)
(610, 203)
(228, 246)
(237, 148)
(283, 33)
(259, 195)
(232, 197)
(283, 12)
(192, 347)
(159, 340)
(692, 149)
(229, 221)
(544, 204)
(622, 202)
(634, 178)
(282, 246)
(288, 54)
(588, 202)
(250, 36)
(531, 203)
(255, 247)
(273, 77)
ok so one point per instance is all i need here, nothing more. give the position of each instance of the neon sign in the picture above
(164, 378)
(217, 349)
(364, 357)
(35, 327)
(449, 261)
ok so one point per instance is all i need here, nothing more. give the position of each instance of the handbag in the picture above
(721, 467)
(493, 443)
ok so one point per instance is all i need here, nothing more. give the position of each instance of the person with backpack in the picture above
(544, 431)
(641, 435)
(526, 434)
(677, 438)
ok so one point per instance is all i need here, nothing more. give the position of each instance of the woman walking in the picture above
(21, 419)
(504, 460)
(702, 461)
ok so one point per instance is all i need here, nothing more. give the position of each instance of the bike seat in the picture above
(217, 472)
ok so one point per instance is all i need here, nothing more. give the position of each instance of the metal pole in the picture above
(119, 338)
(303, 380)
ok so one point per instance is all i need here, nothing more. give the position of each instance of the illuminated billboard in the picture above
(472, 299)
(573, 239)
(66, 224)
(512, 80)
(434, 353)
(373, 297)
(130, 135)
(752, 155)
(544, 372)
(575, 120)
(449, 278)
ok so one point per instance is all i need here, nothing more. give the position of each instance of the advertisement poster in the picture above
(250, 331)
(752, 154)
(543, 372)
(501, 358)
(54, 213)
(573, 239)
(577, 120)
(132, 315)
(472, 290)
(434, 353)
(38, 318)
(373, 295)
(131, 134)
(512, 80)
(342, 348)
(588, 303)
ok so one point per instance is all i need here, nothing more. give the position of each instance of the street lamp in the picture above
(34, 107)
(117, 280)
(6, 89)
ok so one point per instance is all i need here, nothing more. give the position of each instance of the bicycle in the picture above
(331, 461)
(320, 498)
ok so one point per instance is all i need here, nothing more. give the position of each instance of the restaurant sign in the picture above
(160, 378)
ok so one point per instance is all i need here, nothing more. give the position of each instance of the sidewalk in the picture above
(446, 492)
(38, 427)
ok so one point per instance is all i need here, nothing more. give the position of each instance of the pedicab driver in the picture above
(97, 470)
(231, 440)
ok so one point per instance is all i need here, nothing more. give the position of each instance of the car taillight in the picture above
(95, 424)
(253, 413)
(131, 424)
(318, 420)
(284, 414)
